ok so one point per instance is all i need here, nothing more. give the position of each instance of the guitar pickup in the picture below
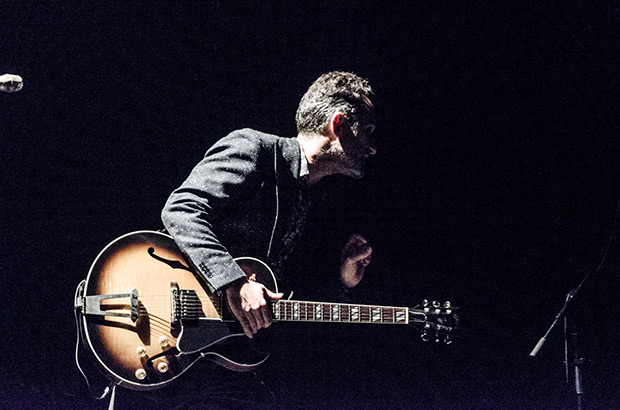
(92, 305)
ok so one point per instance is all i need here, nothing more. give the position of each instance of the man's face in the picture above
(358, 144)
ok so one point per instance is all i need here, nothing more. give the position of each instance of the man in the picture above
(249, 196)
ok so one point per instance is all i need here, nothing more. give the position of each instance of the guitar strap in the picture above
(77, 310)
(275, 221)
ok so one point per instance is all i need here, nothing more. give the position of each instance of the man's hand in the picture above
(356, 256)
(247, 300)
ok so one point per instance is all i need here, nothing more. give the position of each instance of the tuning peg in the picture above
(437, 307)
(447, 340)
(424, 336)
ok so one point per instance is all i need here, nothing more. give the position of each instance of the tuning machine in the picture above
(436, 337)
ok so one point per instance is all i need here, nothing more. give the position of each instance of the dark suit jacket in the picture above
(242, 199)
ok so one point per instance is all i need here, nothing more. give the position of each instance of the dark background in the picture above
(496, 185)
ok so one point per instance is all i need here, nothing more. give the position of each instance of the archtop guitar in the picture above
(147, 317)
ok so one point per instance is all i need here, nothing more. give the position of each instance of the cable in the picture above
(78, 326)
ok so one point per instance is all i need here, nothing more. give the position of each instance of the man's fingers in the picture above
(357, 248)
(261, 318)
(251, 306)
(366, 251)
(258, 317)
(362, 255)
(273, 295)
(366, 261)
(251, 321)
(246, 327)
(242, 317)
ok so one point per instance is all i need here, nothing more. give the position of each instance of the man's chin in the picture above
(355, 173)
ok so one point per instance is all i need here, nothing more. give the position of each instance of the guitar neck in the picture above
(297, 311)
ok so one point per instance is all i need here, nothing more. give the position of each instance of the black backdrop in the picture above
(496, 185)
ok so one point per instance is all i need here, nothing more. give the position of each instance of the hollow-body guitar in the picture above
(147, 317)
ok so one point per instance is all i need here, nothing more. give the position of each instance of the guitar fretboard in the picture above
(289, 310)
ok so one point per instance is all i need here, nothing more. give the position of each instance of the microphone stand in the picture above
(577, 361)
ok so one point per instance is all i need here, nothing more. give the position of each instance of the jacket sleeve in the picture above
(227, 171)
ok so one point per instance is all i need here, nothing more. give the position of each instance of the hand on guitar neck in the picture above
(247, 300)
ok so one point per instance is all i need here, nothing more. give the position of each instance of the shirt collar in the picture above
(304, 171)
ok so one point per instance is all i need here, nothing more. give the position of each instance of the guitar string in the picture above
(309, 316)
(306, 311)
(325, 306)
(166, 298)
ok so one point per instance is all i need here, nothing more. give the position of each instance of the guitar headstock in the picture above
(438, 322)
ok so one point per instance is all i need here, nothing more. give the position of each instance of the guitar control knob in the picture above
(162, 367)
(140, 374)
(164, 341)
(141, 351)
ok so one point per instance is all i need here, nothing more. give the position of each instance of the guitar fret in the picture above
(318, 315)
(333, 312)
(375, 313)
(336, 313)
(276, 311)
(355, 314)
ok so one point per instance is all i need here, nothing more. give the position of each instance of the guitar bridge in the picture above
(92, 305)
(185, 304)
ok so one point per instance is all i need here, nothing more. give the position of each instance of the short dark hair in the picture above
(332, 92)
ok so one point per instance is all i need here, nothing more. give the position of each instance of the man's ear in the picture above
(339, 125)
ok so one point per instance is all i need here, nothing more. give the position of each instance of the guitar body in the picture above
(147, 318)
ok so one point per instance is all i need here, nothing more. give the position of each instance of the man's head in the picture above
(334, 92)
(337, 113)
